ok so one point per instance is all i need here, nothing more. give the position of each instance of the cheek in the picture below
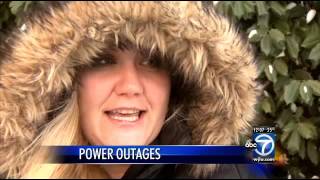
(158, 92)
(94, 89)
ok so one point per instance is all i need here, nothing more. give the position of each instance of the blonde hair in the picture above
(64, 129)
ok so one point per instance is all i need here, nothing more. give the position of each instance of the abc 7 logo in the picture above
(263, 145)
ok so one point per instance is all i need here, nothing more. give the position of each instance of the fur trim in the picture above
(205, 48)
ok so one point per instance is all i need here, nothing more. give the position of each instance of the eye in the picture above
(103, 60)
(146, 62)
(151, 62)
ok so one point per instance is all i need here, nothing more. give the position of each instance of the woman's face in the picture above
(123, 99)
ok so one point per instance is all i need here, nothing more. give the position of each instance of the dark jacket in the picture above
(215, 69)
(184, 171)
(225, 171)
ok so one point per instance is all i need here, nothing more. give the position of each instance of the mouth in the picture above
(125, 114)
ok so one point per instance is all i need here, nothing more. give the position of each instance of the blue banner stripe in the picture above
(150, 154)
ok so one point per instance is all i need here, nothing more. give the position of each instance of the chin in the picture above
(127, 143)
(124, 141)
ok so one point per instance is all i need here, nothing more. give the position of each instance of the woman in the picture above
(122, 73)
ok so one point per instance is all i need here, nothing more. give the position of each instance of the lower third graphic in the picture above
(263, 144)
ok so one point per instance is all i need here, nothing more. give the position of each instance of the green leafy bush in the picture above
(10, 12)
(287, 42)
(286, 36)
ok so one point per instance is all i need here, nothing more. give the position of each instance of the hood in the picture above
(40, 64)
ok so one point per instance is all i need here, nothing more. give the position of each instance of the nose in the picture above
(129, 83)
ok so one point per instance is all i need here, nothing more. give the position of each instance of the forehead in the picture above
(126, 55)
(127, 50)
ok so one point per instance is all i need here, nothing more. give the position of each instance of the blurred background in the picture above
(286, 39)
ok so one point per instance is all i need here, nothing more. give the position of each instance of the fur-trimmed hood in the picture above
(40, 65)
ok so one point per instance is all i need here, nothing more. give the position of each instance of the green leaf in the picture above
(315, 119)
(276, 35)
(278, 48)
(297, 12)
(300, 74)
(238, 9)
(18, 21)
(282, 25)
(224, 8)
(315, 53)
(284, 117)
(313, 36)
(314, 64)
(266, 106)
(277, 8)
(307, 130)
(261, 8)
(4, 14)
(263, 21)
(15, 6)
(292, 46)
(265, 45)
(290, 126)
(279, 86)
(263, 31)
(270, 73)
(313, 153)
(302, 151)
(291, 91)
(287, 130)
(26, 5)
(281, 67)
(315, 86)
(248, 7)
(261, 65)
(305, 92)
(284, 137)
(298, 112)
(294, 142)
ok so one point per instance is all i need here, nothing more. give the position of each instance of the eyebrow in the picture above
(126, 45)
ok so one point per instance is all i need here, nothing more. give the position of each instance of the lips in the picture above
(125, 114)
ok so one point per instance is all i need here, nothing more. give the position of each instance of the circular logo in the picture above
(265, 145)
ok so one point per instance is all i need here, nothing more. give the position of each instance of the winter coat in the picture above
(39, 64)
